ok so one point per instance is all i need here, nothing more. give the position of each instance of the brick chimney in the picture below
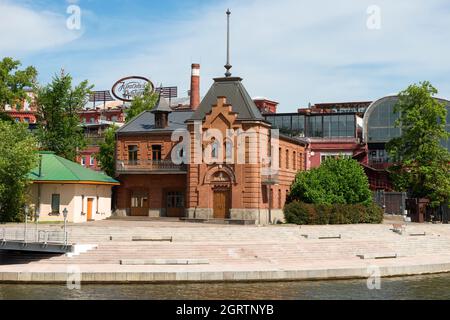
(195, 86)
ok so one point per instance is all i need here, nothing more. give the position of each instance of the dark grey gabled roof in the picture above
(145, 123)
(237, 96)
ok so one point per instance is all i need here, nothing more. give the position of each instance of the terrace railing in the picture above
(146, 166)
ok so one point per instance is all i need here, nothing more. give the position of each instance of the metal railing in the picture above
(149, 165)
(33, 236)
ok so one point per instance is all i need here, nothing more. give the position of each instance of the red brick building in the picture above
(217, 186)
(23, 111)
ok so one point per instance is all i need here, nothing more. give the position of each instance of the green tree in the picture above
(336, 181)
(18, 156)
(58, 104)
(13, 82)
(422, 164)
(142, 103)
(107, 153)
(5, 117)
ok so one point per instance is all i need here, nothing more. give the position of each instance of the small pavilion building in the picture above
(60, 184)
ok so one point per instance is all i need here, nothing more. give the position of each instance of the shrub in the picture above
(336, 181)
(298, 212)
(301, 213)
(323, 214)
(374, 214)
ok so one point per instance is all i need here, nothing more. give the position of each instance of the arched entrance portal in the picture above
(221, 185)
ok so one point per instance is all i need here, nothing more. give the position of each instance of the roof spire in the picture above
(228, 66)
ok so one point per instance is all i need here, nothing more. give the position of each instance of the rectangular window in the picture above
(279, 199)
(300, 158)
(175, 200)
(156, 153)
(91, 160)
(55, 203)
(279, 158)
(139, 200)
(133, 154)
(287, 159)
(83, 161)
(294, 161)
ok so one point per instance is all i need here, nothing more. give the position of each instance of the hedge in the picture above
(297, 212)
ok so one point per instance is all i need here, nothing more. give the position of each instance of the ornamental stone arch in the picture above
(220, 174)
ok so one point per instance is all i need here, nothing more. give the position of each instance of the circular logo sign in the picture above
(127, 88)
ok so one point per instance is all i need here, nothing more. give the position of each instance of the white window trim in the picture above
(335, 154)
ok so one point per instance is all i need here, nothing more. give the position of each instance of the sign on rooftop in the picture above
(127, 88)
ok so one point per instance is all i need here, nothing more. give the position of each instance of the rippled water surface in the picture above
(420, 287)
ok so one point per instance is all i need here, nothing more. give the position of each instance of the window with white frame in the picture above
(343, 155)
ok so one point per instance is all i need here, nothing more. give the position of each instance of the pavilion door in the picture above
(90, 203)
(221, 204)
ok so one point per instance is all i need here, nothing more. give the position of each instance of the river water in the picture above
(434, 287)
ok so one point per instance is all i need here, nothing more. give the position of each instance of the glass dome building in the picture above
(379, 128)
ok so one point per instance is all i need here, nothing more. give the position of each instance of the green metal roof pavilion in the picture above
(55, 169)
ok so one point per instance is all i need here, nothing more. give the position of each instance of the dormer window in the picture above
(161, 112)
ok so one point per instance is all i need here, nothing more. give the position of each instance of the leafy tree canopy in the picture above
(422, 164)
(142, 103)
(18, 156)
(13, 82)
(336, 181)
(58, 104)
(106, 156)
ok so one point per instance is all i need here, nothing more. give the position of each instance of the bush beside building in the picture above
(335, 193)
(302, 213)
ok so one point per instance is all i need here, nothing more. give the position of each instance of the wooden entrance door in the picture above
(221, 204)
(139, 204)
(90, 203)
(175, 204)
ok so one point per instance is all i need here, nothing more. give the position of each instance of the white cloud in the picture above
(24, 30)
(291, 51)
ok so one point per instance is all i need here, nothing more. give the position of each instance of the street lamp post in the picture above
(26, 209)
(65, 225)
(36, 221)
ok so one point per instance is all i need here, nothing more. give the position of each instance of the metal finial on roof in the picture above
(228, 66)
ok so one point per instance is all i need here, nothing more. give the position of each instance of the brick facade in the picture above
(246, 195)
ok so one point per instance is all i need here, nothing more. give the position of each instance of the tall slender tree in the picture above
(107, 153)
(18, 156)
(422, 164)
(58, 104)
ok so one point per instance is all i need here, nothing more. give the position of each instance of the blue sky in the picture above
(291, 51)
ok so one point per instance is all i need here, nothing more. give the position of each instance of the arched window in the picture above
(294, 161)
(214, 149)
(287, 158)
(229, 149)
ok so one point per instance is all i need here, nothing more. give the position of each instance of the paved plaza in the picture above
(143, 250)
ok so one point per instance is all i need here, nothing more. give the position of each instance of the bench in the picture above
(399, 228)
(418, 234)
(152, 239)
(146, 262)
(378, 256)
(330, 237)
(322, 237)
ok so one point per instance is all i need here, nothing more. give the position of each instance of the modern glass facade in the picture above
(315, 125)
(291, 124)
(379, 121)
